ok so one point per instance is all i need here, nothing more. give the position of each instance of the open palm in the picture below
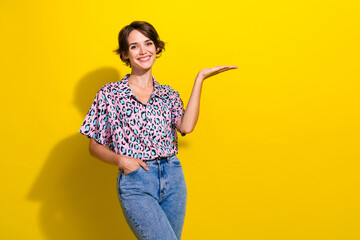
(208, 72)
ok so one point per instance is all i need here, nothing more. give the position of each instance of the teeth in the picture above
(145, 58)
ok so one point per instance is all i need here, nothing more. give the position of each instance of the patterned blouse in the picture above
(117, 119)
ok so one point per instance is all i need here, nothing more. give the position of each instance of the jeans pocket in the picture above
(174, 160)
(132, 172)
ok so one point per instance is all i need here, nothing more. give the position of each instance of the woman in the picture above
(137, 119)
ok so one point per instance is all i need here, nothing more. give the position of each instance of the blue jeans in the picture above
(154, 201)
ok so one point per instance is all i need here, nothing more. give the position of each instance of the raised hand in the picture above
(208, 72)
(187, 122)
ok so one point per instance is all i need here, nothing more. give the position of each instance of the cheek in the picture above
(153, 58)
(132, 56)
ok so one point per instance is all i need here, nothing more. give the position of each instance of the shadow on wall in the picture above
(78, 192)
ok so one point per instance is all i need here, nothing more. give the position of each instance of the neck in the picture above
(142, 79)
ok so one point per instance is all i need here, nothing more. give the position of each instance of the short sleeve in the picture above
(97, 124)
(177, 110)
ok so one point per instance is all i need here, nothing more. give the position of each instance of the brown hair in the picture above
(145, 28)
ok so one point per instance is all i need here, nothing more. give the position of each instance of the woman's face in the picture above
(142, 51)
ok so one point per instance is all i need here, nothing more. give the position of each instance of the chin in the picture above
(142, 68)
(145, 65)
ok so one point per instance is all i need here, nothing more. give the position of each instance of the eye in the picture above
(132, 47)
(149, 43)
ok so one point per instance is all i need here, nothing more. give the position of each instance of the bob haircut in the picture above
(146, 29)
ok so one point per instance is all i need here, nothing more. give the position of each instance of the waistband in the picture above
(159, 159)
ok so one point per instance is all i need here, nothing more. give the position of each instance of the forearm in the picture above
(128, 164)
(103, 153)
(191, 114)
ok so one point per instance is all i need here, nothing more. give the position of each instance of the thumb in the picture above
(143, 164)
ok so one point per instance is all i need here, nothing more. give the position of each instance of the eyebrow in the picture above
(137, 43)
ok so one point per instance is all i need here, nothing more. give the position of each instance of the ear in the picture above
(124, 55)
(157, 50)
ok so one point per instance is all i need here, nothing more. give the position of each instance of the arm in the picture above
(187, 122)
(103, 153)
(94, 125)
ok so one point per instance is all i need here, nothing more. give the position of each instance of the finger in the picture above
(220, 70)
(144, 165)
(233, 67)
(217, 68)
(230, 67)
(224, 69)
(227, 68)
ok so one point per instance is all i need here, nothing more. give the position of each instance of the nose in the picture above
(142, 50)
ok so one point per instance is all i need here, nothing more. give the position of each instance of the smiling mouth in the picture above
(144, 59)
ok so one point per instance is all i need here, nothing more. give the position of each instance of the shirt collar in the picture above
(124, 89)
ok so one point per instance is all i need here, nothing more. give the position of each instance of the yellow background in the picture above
(275, 153)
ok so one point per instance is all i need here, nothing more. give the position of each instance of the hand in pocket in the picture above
(132, 164)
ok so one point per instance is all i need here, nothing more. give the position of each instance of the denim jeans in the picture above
(154, 201)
